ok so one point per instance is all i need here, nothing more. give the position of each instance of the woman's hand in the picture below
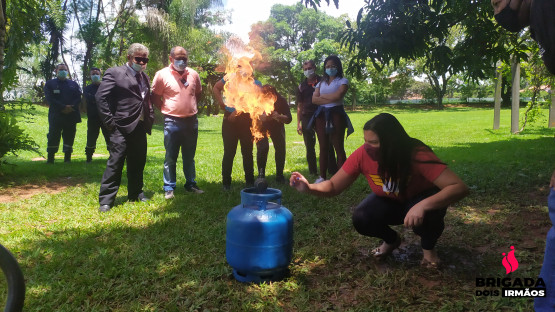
(415, 216)
(299, 182)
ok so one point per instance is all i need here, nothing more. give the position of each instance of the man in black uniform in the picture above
(124, 107)
(93, 121)
(63, 97)
(305, 110)
(274, 125)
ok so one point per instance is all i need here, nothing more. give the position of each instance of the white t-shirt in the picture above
(331, 88)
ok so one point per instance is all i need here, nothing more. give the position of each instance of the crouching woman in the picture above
(410, 185)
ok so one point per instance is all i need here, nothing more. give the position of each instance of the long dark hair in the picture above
(396, 151)
(337, 63)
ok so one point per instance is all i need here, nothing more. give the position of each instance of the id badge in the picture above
(56, 91)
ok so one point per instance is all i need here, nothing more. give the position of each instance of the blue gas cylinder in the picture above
(259, 236)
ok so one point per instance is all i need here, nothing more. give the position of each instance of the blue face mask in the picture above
(137, 67)
(62, 74)
(95, 78)
(332, 72)
(179, 65)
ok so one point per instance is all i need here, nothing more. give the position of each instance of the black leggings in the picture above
(327, 141)
(374, 214)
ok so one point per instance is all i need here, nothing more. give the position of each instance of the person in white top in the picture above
(330, 118)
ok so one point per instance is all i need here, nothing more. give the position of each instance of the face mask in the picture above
(332, 72)
(95, 78)
(309, 73)
(372, 151)
(508, 19)
(138, 67)
(179, 65)
(62, 74)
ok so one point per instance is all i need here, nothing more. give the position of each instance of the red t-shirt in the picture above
(423, 174)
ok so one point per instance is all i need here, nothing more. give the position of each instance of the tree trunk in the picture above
(2, 46)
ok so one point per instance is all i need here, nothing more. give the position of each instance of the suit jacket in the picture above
(120, 102)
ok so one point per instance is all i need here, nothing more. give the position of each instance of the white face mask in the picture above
(308, 73)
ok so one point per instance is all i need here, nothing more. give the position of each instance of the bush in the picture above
(12, 137)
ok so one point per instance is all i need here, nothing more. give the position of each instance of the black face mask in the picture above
(508, 19)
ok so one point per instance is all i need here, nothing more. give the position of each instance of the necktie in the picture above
(138, 76)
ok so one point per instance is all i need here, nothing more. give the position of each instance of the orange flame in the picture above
(240, 90)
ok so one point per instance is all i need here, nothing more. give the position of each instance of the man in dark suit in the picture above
(123, 101)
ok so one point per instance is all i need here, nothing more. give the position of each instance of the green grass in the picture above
(170, 255)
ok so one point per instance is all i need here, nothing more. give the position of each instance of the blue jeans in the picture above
(548, 268)
(180, 133)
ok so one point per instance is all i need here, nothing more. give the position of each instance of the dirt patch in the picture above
(25, 191)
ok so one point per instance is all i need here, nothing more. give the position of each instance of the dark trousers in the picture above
(233, 132)
(93, 130)
(124, 147)
(332, 141)
(309, 137)
(374, 214)
(60, 129)
(263, 147)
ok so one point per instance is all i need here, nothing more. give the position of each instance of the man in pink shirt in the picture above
(174, 91)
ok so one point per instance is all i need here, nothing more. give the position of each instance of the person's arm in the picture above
(102, 95)
(329, 188)
(452, 189)
(335, 96)
(198, 91)
(217, 91)
(52, 101)
(552, 182)
(327, 98)
(299, 103)
(282, 114)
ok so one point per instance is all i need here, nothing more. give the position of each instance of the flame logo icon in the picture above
(509, 261)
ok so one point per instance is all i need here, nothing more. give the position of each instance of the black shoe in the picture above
(194, 189)
(67, 157)
(280, 179)
(104, 208)
(226, 187)
(142, 198)
(89, 158)
(262, 173)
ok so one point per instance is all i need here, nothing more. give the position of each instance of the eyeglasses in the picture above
(143, 60)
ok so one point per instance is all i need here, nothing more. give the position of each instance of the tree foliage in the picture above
(293, 34)
(387, 31)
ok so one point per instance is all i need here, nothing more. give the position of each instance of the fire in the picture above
(240, 90)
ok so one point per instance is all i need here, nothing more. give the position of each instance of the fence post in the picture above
(497, 100)
(515, 94)
(552, 111)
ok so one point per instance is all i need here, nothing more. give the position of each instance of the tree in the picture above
(291, 35)
(390, 30)
(19, 25)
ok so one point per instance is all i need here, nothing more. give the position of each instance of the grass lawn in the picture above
(170, 255)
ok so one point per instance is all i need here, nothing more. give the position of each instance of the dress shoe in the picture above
(140, 198)
(104, 208)
(194, 189)
(67, 157)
